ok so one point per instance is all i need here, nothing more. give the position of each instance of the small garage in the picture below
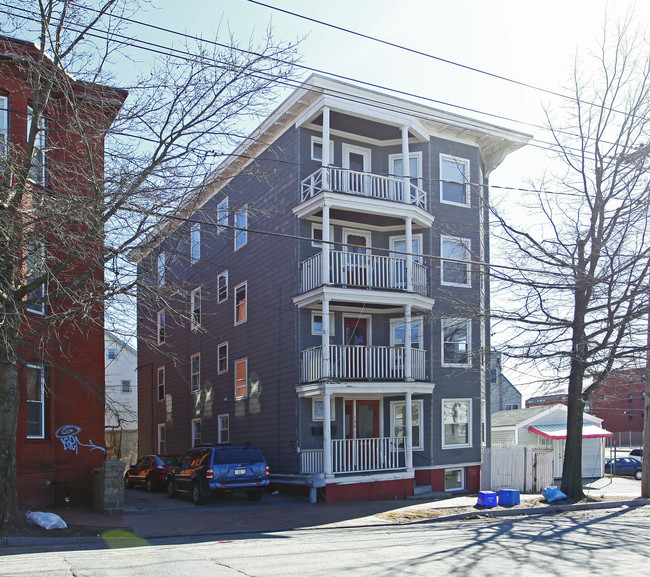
(545, 426)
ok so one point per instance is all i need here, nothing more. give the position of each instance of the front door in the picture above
(357, 161)
(355, 347)
(361, 432)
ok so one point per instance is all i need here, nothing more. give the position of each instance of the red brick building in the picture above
(60, 432)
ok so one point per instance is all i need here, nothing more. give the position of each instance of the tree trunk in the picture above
(9, 401)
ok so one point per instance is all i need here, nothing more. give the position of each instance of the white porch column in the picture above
(327, 435)
(406, 164)
(325, 340)
(408, 423)
(408, 368)
(325, 160)
(325, 251)
(409, 253)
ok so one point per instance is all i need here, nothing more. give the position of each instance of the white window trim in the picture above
(159, 314)
(161, 264)
(4, 123)
(418, 444)
(40, 291)
(237, 362)
(195, 242)
(317, 415)
(222, 274)
(319, 140)
(41, 370)
(219, 347)
(417, 239)
(194, 296)
(240, 231)
(398, 156)
(468, 402)
(467, 245)
(222, 209)
(368, 319)
(197, 373)
(220, 420)
(453, 321)
(317, 226)
(40, 144)
(365, 152)
(245, 285)
(462, 480)
(162, 450)
(161, 371)
(419, 320)
(315, 332)
(457, 160)
(194, 439)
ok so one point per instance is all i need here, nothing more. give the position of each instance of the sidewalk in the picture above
(149, 516)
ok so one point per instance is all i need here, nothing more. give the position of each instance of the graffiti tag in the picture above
(68, 437)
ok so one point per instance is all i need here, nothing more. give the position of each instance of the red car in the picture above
(150, 472)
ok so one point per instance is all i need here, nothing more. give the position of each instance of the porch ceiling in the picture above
(380, 301)
(365, 388)
(342, 122)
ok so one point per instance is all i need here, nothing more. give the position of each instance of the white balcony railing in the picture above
(391, 188)
(362, 270)
(356, 456)
(353, 362)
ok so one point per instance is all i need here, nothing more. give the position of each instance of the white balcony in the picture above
(353, 362)
(391, 188)
(356, 456)
(362, 271)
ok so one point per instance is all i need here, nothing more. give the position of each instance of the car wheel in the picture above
(128, 483)
(171, 490)
(198, 495)
(254, 495)
(149, 485)
(638, 475)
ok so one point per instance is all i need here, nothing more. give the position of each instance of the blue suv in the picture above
(207, 469)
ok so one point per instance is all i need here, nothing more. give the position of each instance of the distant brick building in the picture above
(60, 433)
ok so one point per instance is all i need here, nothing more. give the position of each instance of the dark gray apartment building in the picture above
(334, 303)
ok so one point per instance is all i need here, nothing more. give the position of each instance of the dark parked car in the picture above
(636, 453)
(150, 472)
(207, 469)
(625, 466)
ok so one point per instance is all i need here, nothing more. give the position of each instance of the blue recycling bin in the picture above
(508, 497)
(486, 499)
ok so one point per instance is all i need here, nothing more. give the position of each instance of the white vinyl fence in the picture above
(526, 469)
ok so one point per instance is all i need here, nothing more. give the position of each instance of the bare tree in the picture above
(62, 249)
(579, 291)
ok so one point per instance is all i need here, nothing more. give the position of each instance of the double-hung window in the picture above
(162, 440)
(35, 273)
(195, 306)
(241, 379)
(160, 328)
(456, 423)
(398, 423)
(222, 286)
(35, 376)
(222, 215)
(455, 267)
(195, 242)
(241, 228)
(223, 425)
(195, 368)
(160, 269)
(222, 358)
(37, 170)
(455, 343)
(161, 383)
(454, 180)
(196, 432)
(241, 308)
(4, 127)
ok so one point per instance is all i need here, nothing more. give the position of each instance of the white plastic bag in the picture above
(46, 520)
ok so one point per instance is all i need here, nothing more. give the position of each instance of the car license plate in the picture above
(240, 471)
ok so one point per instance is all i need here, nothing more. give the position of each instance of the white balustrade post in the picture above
(408, 423)
(406, 164)
(409, 254)
(325, 340)
(327, 435)
(325, 251)
(408, 368)
(325, 160)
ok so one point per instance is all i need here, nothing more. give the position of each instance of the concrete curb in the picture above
(8, 542)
